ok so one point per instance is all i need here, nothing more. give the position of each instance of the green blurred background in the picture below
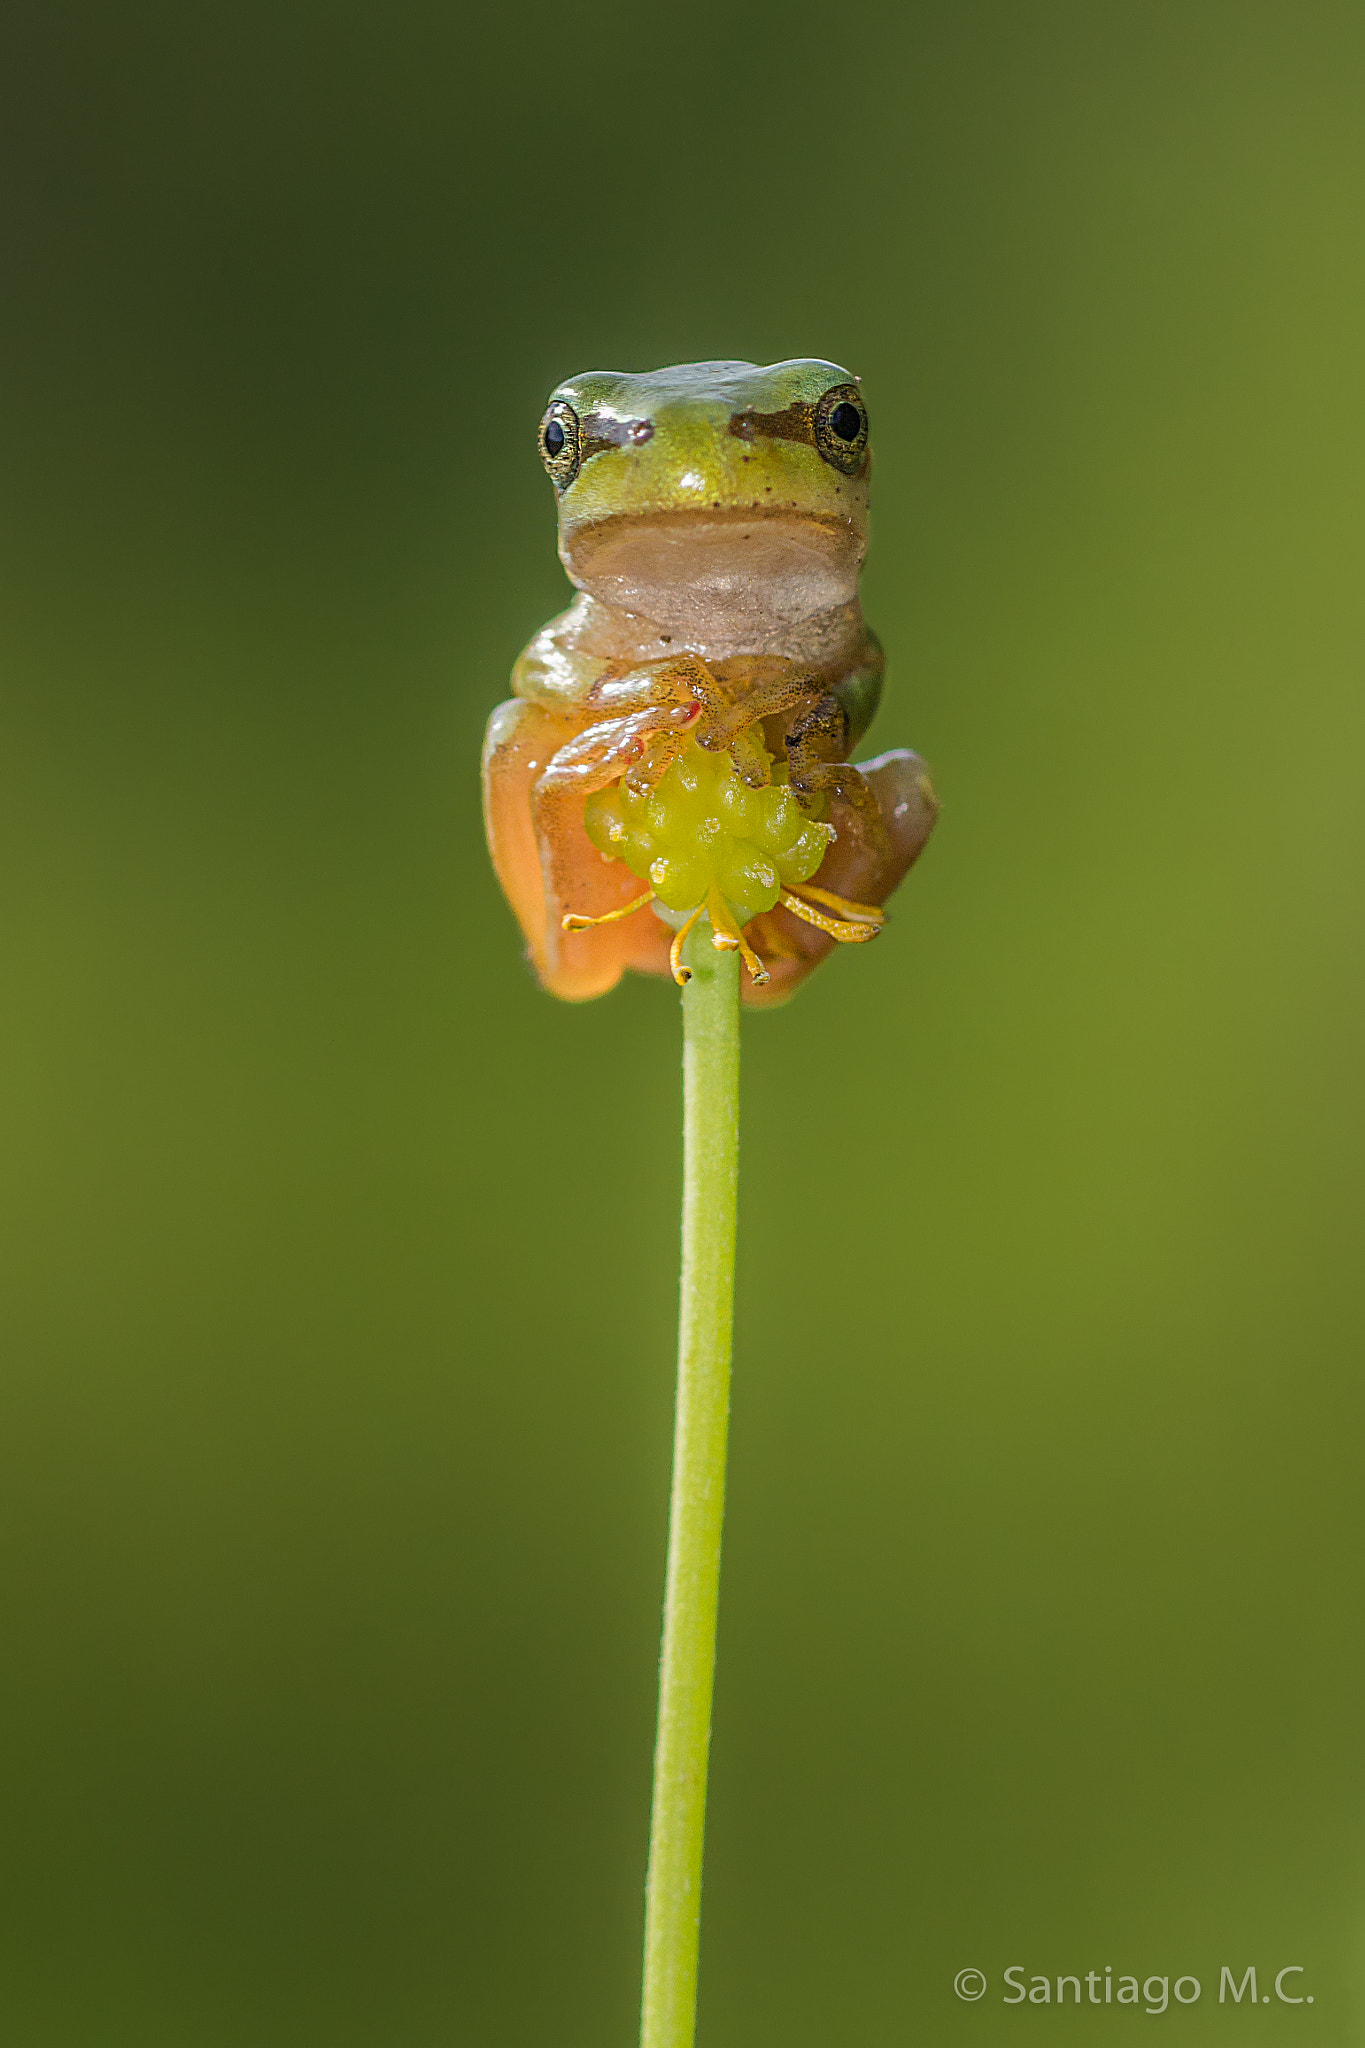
(339, 1263)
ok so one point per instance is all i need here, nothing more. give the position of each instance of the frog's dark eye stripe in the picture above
(600, 432)
(795, 422)
(836, 426)
(559, 444)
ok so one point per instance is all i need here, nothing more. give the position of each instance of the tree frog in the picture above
(687, 723)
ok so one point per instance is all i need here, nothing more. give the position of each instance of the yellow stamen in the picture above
(681, 974)
(576, 922)
(847, 934)
(727, 937)
(861, 913)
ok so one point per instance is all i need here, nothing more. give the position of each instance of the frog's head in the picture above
(721, 498)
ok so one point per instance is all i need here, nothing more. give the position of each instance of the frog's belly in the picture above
(730, 578)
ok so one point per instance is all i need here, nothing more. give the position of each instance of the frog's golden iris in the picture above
(690, 719)
(559, 444)
(841, 429)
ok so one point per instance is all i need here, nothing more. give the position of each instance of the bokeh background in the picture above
(339, 1263)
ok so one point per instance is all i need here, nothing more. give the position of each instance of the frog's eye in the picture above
(841, 428)
(559, 444)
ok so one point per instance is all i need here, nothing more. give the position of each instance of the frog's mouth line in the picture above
(737, 571)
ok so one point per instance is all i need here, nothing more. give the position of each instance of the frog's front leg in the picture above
(676, 680)
(604, 751)
(724, 726)
(817, 746)
(671, 679)
(737, 728)
(795, 688)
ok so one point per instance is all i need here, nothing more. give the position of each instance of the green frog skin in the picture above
(713, 518)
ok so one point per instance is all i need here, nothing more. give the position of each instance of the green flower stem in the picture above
(710, 1004)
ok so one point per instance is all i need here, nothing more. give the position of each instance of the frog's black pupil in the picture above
(846, 421)
(554, 436)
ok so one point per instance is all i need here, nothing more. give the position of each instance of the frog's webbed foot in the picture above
(816, 745)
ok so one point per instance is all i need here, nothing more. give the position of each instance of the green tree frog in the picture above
(679, 739)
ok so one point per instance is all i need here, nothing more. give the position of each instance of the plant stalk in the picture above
(710, 1005)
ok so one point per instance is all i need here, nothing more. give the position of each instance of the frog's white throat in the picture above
(729, 579)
